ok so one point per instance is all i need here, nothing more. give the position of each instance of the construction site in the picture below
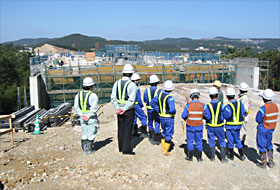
(54, 159)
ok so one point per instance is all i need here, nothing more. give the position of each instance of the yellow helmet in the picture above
(217, 83)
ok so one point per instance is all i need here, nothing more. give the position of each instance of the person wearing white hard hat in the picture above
(193, 114)
(217, 84)
(86, 106)
(267, 122)
(234, 114)
(153, 118)
(123, 99)
(215, 124)
(139, 113)
(164, 104)
(244, 98)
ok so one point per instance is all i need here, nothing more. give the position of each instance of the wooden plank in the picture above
(2, 117)
(4, 131)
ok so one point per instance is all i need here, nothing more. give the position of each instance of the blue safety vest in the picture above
(163, 105)
(236, 117)
(216, 114)
(150, 95)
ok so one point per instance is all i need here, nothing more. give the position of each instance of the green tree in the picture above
(14, 72)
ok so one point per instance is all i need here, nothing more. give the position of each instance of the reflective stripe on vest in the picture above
(235, 115)
(239, 99)
(150, 97)
(195, 114)
(83, 102)
(121, 92)
(162, 106)
(270, 116)
(215, 116)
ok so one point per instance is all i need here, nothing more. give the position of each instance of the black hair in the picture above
(230, 97)
(154, 84)
(193, 96)
(213, 96)
(243, 91)
(127, 74)
(87, 87)
(265, 100)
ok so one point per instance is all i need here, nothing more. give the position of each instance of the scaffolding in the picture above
(63, 83)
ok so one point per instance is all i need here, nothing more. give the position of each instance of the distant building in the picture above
(201, 49)
(125, 51)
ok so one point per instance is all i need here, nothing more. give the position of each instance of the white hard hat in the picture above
(135, 76)
(127, 68)
(88, 81)
(243, 86)
(194, 91)
(168, 85)
(212, 91)
(230, 92)
(268, 94)
(154, 79)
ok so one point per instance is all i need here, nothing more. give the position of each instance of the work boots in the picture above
(135, 131)
(157, 138)
(166, 148)
(84, 145)
(90, 147)
(242, 157)
(144, 132)
(189, 156)
(230, 156)
(263, 160)
(162, 144)
(223, 155)
(151, 136)
(212, 154)
(271, 163)
(199, 157)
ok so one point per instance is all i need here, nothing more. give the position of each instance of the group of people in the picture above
(128, 105)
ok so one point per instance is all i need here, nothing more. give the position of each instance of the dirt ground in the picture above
(54, 160)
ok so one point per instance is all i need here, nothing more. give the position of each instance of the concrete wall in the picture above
(248, 74)
(38, 94)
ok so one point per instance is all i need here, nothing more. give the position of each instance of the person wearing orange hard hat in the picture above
(218, 85)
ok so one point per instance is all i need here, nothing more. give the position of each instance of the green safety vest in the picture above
(215, 116)
(235, 115)
(83, 102)
(121, 92)
(162, 106)
(150, 97)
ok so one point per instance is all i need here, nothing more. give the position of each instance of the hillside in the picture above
(82, 42)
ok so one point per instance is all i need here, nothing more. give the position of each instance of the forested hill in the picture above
(82, 42)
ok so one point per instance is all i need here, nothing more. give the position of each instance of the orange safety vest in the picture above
(270, 116)
(195, 114)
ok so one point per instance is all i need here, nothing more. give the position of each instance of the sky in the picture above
(139, 20)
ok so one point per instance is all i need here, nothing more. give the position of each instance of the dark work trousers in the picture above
(125, 125)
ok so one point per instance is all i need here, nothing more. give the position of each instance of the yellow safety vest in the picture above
(83, 103)
(121, 92)
(215, 116)
(150, 97)
(235, 115)
(162, 106)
